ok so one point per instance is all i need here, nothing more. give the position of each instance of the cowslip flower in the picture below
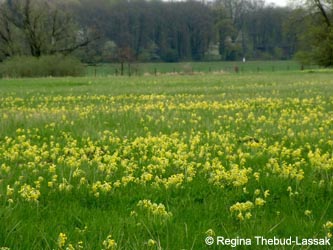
(257, 192)
(29, 193)
(154, 208)
(256, 175)
(151, 243)
(62, 238)
(240, 216)
(210, 232)
(109, 243)
(260, 202)
(307, 212)
(10, 191)
(241, 206)
(328, 225)
(248, 215)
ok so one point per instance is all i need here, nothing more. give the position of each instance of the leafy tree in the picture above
(226, 32)
(160, 30)
(317, 42)
(294, 28)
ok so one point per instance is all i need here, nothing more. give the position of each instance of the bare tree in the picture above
(42, 27)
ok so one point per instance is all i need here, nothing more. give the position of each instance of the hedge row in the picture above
(52, 65)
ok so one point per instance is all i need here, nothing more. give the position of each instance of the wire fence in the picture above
(140, 69)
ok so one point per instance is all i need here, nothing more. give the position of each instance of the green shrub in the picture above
(51, 65)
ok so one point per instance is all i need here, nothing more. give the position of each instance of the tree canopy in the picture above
(316, 43)
(114, 30)
(37, 27)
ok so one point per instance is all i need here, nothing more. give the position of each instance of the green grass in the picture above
(77, 155)
(195, 67)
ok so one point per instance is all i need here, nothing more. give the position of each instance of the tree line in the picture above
(139, 30)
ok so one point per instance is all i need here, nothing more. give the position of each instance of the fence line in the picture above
(138, 70)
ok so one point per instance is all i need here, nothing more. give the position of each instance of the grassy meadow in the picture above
(214, 67)
(146, 162)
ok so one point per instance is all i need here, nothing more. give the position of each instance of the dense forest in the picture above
(139, 30)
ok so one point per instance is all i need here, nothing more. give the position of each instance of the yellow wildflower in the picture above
(62, 238)
(155, 209)
(248, 215)
(240, 216)
(328, 225)
(70, 247)
(260, 202)
(109, 243)
(29, 193)
(10, 191)
(210, 232)
(256, 175)
(307, 212)
(241, 206)
(151, 242)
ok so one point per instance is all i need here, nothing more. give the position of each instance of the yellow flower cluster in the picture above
(103, 187)
(151, 243)
(62, 243)
(308, 212)
(62, 238)
(260, 202)
(29, 193)
(328, 226)
(109, 243)
(321, 161)
(102, 145)
(210, 232)
(164, 160)
(242, 207)
(154, 209)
